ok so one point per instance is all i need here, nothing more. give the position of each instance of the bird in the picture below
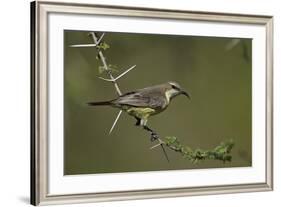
(146, 102)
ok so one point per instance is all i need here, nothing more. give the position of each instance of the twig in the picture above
(119, 76)
(112, 78)
(100, 53)
(106, 68)
(161, 143)
(221, 152)
(97, 44)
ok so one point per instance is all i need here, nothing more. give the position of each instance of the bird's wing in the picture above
(141, 99)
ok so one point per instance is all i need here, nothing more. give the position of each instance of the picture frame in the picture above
(44, 180)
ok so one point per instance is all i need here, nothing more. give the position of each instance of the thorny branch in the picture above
(106, 68)
(112, 79)
(102, 58)
(220, 152)
(99, 45)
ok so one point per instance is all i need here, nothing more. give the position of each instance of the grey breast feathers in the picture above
(142, 98)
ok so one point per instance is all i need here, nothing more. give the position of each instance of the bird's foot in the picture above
(154, 137)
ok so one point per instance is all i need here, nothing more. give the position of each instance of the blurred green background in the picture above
(215, 71)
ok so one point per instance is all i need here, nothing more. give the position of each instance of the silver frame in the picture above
(39, 100)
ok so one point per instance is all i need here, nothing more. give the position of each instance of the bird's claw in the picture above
(154, 137)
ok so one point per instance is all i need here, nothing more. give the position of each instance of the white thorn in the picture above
(98, 42)
(84, 45)
(157, 145)
(105, 79)
(115, 121)
(122, 74)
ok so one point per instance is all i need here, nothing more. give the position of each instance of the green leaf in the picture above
(103, 45)
(171, 140)
(113, 68)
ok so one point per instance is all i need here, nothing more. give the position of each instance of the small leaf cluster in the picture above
(113, 68)
(110, 67)
(221, 152)
(103, 46)
(102, 68)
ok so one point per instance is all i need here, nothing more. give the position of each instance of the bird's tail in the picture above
(100, 103)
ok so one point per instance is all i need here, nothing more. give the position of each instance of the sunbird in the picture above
(145, 102)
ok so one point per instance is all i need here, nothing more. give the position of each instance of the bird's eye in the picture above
(174, 87)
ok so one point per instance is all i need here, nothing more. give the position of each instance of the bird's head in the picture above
(173, 89)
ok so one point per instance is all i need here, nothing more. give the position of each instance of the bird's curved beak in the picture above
(186, 94)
